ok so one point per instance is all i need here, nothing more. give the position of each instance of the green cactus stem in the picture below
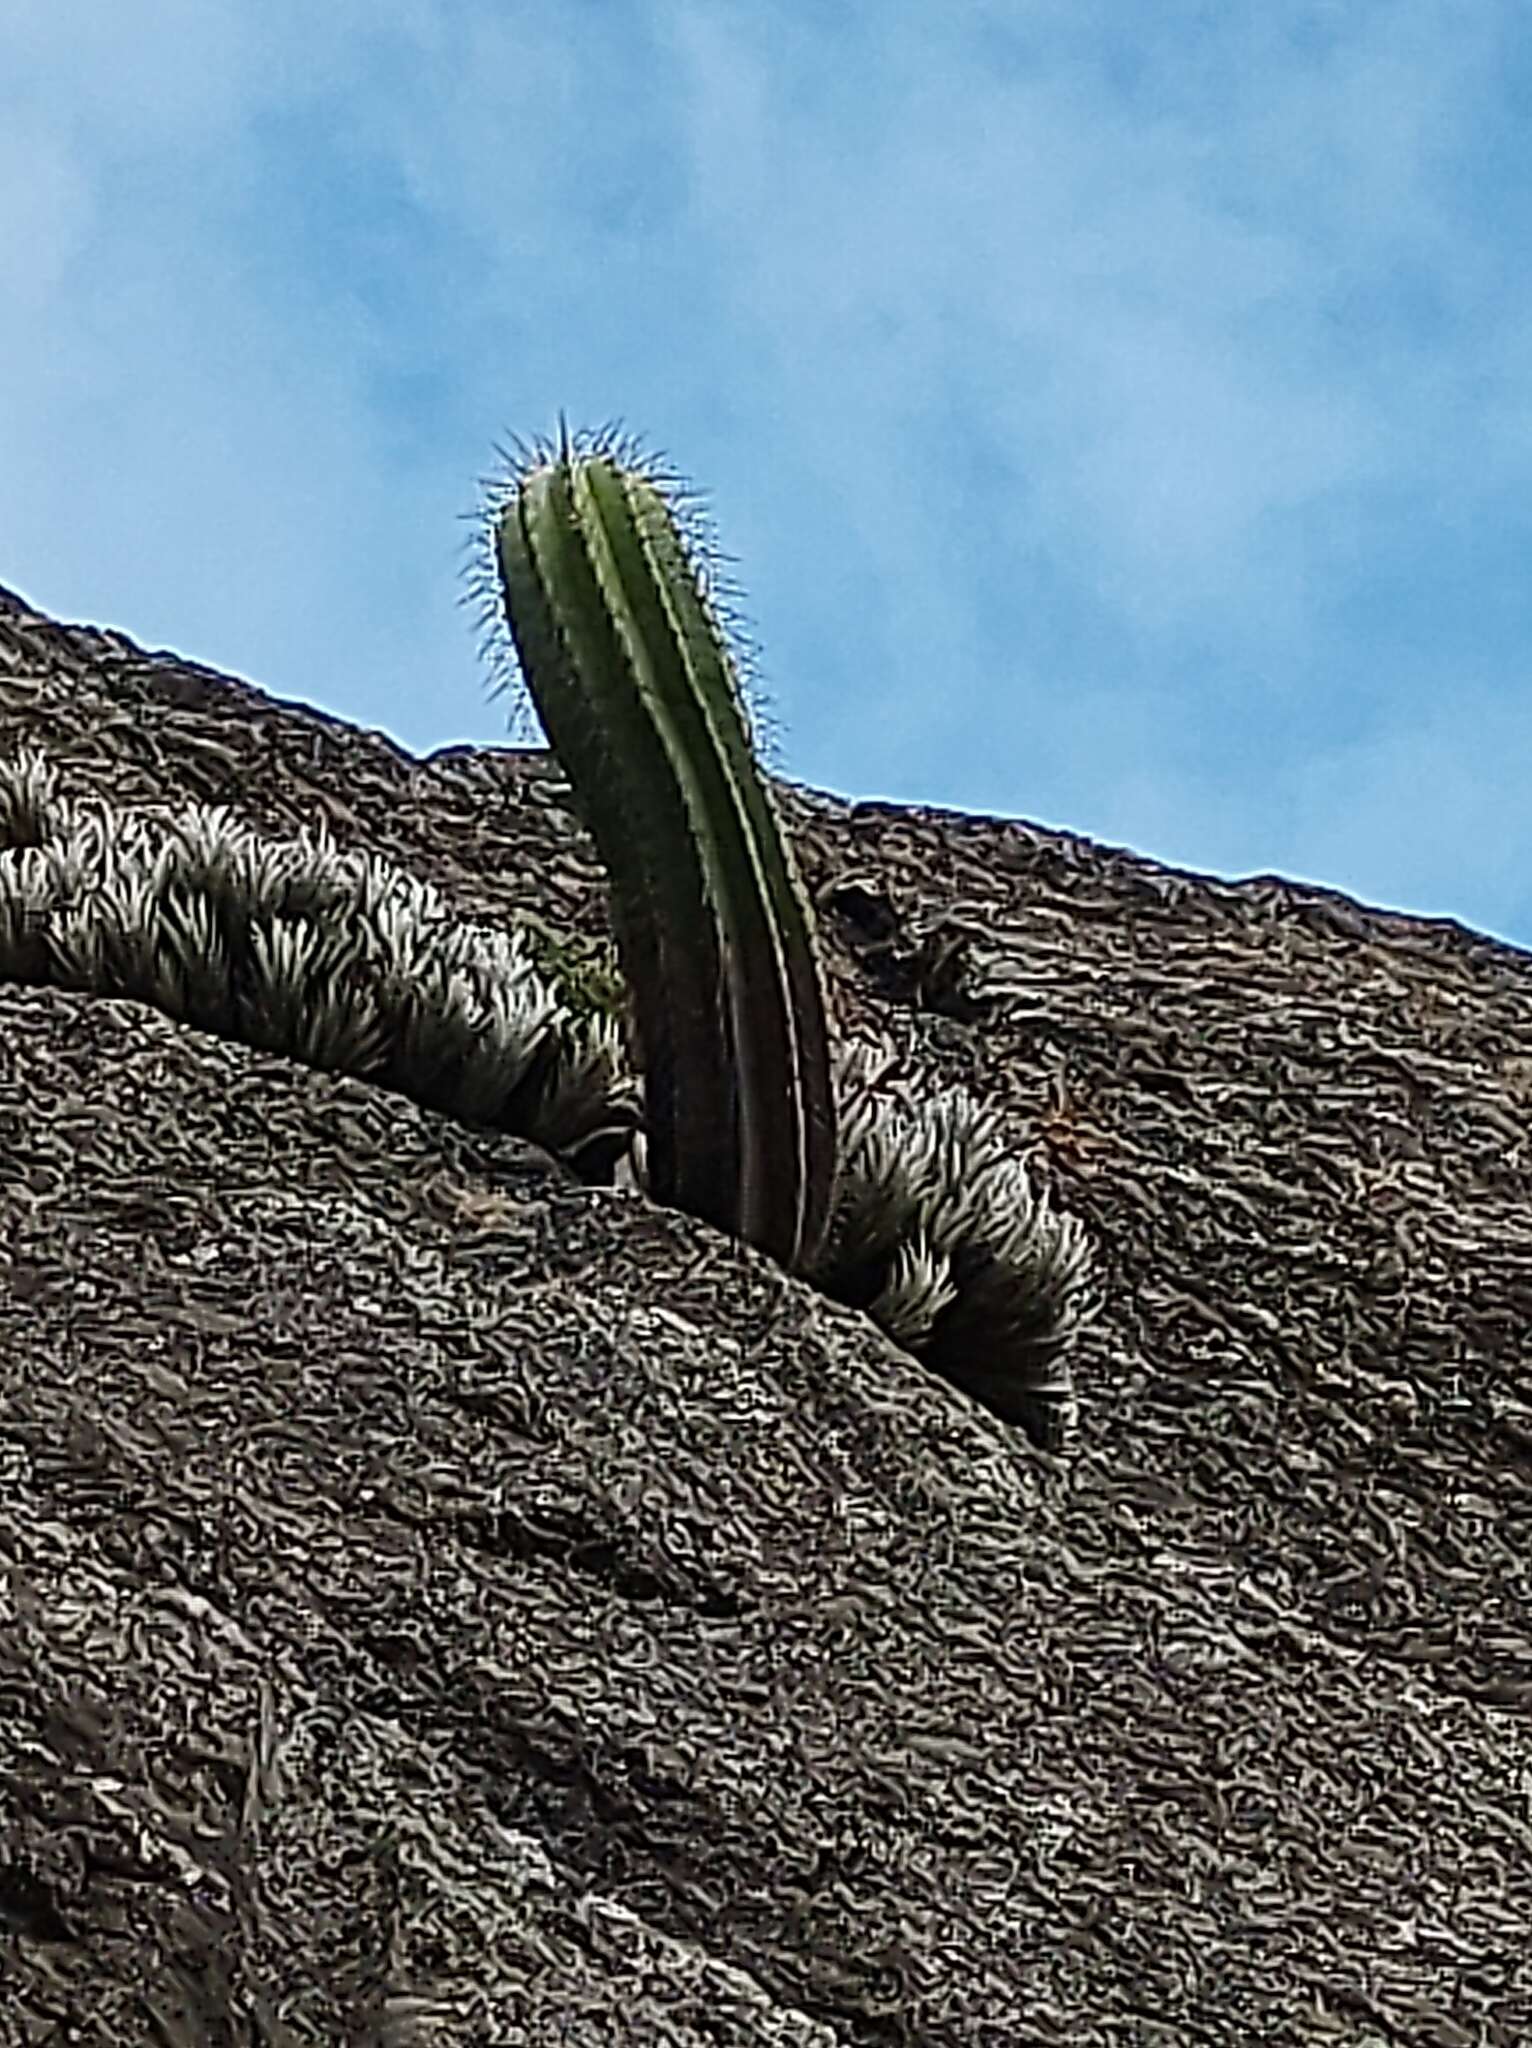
(627, 663)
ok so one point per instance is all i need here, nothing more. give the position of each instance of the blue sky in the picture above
(1121, 415)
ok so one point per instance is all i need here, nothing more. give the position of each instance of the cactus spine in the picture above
(625, 658)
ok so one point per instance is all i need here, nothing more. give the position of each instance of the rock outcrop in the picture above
(443, 1603)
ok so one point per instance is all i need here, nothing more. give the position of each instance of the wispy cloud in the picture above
(1121, 416)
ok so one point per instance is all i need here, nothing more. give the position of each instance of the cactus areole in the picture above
(626, 661)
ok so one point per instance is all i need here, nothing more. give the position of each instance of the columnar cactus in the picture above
(916, 1213)
(625, 657)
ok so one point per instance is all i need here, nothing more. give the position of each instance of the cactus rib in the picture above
(625, 659)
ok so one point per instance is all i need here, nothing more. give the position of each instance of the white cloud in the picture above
(1077, 382)
(46, 215)
(1141, 296)
(1429, 813)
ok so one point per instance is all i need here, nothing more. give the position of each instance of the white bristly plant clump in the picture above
(939, 1234)
(330, 957)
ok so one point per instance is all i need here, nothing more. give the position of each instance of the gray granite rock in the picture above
(444, 1603)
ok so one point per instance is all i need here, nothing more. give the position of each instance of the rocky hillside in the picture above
(447, 1604)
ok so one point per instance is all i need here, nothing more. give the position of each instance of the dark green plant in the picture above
(627, 660)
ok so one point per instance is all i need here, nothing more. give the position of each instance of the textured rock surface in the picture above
(440, 1603)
